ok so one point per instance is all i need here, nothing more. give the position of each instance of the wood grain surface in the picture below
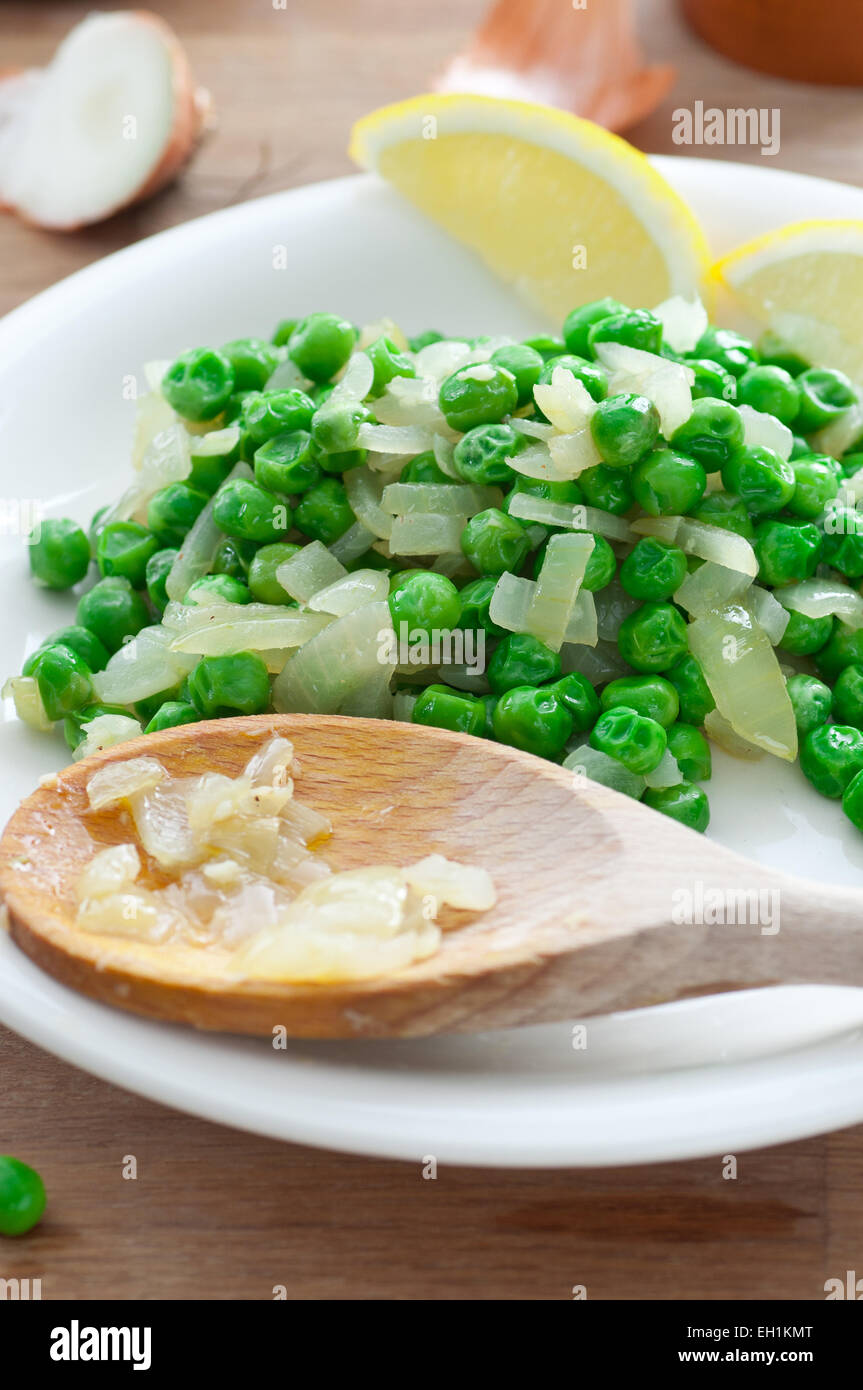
(217, 1214)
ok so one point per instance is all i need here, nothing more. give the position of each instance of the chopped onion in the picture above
(585, 761)
(536, 462)
(403, 706)
(600, 664)
(683, 322)
(24, 691)
(582, 625)
(438, 499)
(822, 598)
(146, 665)
(356, 380)
(338, 662)
(382, 328)
(364, 491)
(576, 516)
(110, 871)
(166, 459)
(699, 538)
(565, 401)
(534, 429)
(743, 674)
(411, 401)
(106, 731)
(463, 677)
(200, 545)
(307, 571)
(511, 601)
(353, 543)
(839, 436)
(286, 377)
(765, 431)
(668, 384)
(395, 439)
(454, 564)
(557, 588)
(152, 414)
(352, 592)
(462, 886)
(425, 534)
(118, 781)
(218, 442)
(613, 604)
(270, 766)
(440, 360)
(666, 773)
(572, 453)
(720, 732)
(265, 628)
(710, 587)
(767, 612)
(444, 449)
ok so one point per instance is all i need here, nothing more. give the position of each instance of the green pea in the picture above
(421, 340)
(59, 554)
(771, 390)
(113, 610)
(625, 427)
(653, 569)
(668, 484)
(776, 353)
(75, 724)
(653, 696)
(831, 756)
(691, 751)
(825, 394)
(284, 329)
(712, 434)
(693, 692)
(479, 394)
(494, 542)
(423, 468)
(234, 409)
(78, 639)
(64, 680)
(532, 719)
(146, 708)
(324, 512)
(852, 801)
(245, 509)
(761, 477)
(711, 380)
(592, 376)
(847, 699)
(220, 686)
(684, 803)
(217, 586)
(213, 456)
(816, 484)
(851, 462)
(22, 1196)
(268, 413)
(578, 323)
(253, 361)
(489, 704)
(321, 344)
(578, 696)
(124, 549)
(475, 599)
(234, 556)
(653, 637)
(525, 363)
(425, 602)
(636, 328)
(344, 460)
(445, 708)
(633, 739)
(521, 659)
(171, 714)
(811, 701)
(541, 487)
(725, 510)
(336, 424)
(729, 349)
(388, 362)
(842, 546)
(98, 522)
(199, 384)
(546, 345)
(288, 463)
(786, 553)
(158, 568)
(263, 584)
(321, 392)
(173, 511)
(805, 636)
(607, 488)
(482, 455)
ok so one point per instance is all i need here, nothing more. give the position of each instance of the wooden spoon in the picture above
(596, 892)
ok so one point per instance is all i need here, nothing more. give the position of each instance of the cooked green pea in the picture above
(843, 541)
(625, 427)
(479, 394)
(733, 352)
(336, 424)
(445, 708)
(75, 724)
(59, 553)
(125, 548)
(233, 556)
(268, 413)
(421, 340)
(804, 636)
(786, 553)
(388, 362)
(213, 456)
(711, 435)
(634, 740)
(693, 692)
(711, 380)
(578, 695)
(653, 637)
(423, 468)
(245, 509)
(525, 363)
(761, 477)
(653, 569)
(591, 375)
(539, 487)
(284, 329)
(482, 455)
(668, 484)
(22, 1197)
(771, 390)
(831, 756)
(725, 510)
(607, 488)
(776, 353)
(171, 714)
(546, 345)
(578, 323)
(532, 719)
(816, 484)
(636, 328)
(653, 696)
(494, 542)
(324, 512)
(684, 803)
(64, 680)
(425, 602)
(253, 361)
(847, 702)
(288, 463)
(825, 394)
(688, 746)
(79, 639)
(113, 610)
(263, 584)
(173, 511)
(199, 384)
(220, 686)
(521, 659)
(321, 344)
(852, 801)
(475, 599)
(811, 701)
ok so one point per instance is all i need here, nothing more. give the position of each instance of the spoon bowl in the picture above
(602, 904)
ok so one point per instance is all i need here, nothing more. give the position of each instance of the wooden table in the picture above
(221, 1215)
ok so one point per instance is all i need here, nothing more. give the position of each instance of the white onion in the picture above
(283, 628)
(110, 871)
(403, 706)
(613, 604)
(411, 401)
(821, 598)
(683, 322)
(765, 431)
(461, 886)
(166, 459)
(395, 439)
(443, 449)
(371, 700)
(352, 592)
(572, 453)
(438, 499)
(24, 692)
(152, 414)
(743, 674)
(582, 626)
(117, 781)
(308, 570)
(709, 587)
(767, 612)
(565, 401)
(600, 664)
(668, 384)
(364, 491)
(356, 380)
(199, 547)
(440, 360)
(699, 538)
(585, 761)
(337, 662)
(557, 589)
(146, 665)
(536, 462)
(839, 436)
(720, 732)
(575, 516)
(666, 773)
(510, 602)
(534, 429)
(106, 731)
(353, 543)
(425, 534)
(286, 377)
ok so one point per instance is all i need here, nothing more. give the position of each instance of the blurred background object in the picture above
(790, 38)
(584, 57)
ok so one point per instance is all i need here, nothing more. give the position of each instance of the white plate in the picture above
(708, 1076)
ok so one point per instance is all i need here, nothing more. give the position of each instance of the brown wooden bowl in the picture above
(788, 38)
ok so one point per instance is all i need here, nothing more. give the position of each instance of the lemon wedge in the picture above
(806, 282)
(560, 208)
